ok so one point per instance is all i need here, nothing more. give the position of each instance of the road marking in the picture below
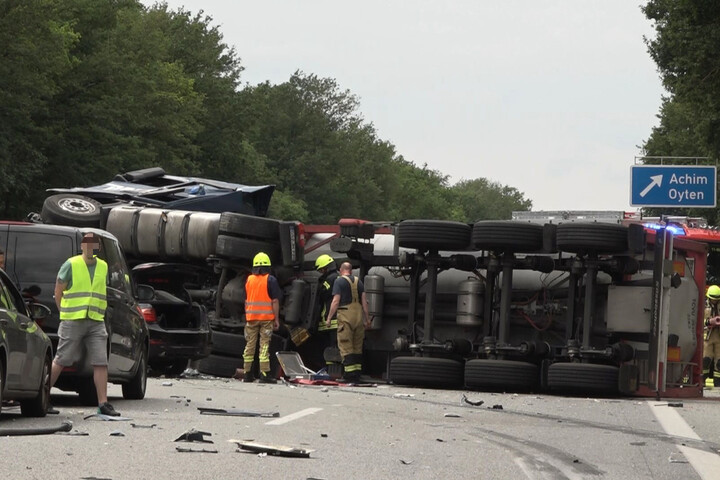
(706, 464)
(294, 416)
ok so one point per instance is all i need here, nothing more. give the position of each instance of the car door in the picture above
(123, 318)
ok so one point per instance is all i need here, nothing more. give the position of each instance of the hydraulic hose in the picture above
(65, 426)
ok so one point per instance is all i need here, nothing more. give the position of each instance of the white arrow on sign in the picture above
(656, 180)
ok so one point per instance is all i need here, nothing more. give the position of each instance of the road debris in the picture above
(324, 435)
(167, 384)
(404, 395)
(117, 433)
(65, 426)
(74, 433)
(675, 404)
(194, 435)
(107, 418)
(472, 402)
(497, 407)
(452, 415)
(274, 450)
(234, 412)
(137, 425)
(195, 450)
(677, 457)
(406, 462)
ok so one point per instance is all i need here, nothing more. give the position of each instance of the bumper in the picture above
(169, 346)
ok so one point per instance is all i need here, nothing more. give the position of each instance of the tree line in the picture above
(92, 88)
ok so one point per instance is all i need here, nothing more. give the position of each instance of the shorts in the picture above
(75, 336)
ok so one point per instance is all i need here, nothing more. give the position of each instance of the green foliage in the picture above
(481, 199)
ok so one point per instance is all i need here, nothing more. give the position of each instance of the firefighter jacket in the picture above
(86, 297)
(258, 304)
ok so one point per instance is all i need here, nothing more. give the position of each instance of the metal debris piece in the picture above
(107, 418)
(497, 407)
(275, 450)
(324, 435)
(638, 444)
(74, 433)
(234, 412)
(137, 425)
(471, 402)
(195, 450)
(439, 440)
(117, 433)
(193, 435)
(406, 462)
(167, 384)
(452, 415)
(403, 395)
(677, 457)
(177, 396)
(675, 404)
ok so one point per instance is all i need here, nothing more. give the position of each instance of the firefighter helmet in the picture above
(713, 293)
(261, 260)
(323, 261)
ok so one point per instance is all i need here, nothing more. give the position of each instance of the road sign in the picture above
(673, 186)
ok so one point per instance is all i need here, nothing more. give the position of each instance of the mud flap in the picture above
(628, 379)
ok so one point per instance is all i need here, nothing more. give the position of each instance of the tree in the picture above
(482, 199)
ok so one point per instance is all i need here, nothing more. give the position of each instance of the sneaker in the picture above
(248, 377)
(107, 409)
(265, 378)
(52, 410)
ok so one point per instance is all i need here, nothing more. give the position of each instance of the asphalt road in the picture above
(381, 432)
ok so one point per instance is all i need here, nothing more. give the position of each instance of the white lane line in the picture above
(294, 416)
(706, 464)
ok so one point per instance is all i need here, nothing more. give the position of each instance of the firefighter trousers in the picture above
(711, 356)
(350, 336)
(264, 330)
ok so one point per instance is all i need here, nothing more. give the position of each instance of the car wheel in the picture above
(38, 406)
(433, 235)
(135, 388)
(2, 385)
(507, 236)
(592, 237)
(73, 210)
(501, 374)
(249, 226)
(220, 365)
(426, 372)
(245, 248)
(583, 378)
(228, 344)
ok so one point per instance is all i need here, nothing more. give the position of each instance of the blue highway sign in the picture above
(673, 186)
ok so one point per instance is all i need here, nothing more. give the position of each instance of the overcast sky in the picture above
(553, 98)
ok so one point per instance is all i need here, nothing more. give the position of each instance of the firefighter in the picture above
(327, 267)
(711, 359)
(262, 308)
(350, 303)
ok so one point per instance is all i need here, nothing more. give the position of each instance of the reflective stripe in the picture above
(258, 304)
(74, 309)
(87, 296)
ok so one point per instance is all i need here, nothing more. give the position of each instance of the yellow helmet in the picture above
(713, 293)
(261, 260)
(323, 261)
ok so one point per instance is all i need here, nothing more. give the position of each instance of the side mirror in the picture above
(38, 311)
(145, 293)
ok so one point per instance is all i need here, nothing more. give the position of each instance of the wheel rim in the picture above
(77, 205)
(45, 392)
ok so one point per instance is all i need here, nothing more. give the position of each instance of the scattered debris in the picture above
(167, 384)
(471, 402)
(324, 435)
(497, 407)
(107, 418)
(177, 396)
(74, 433)
(262, 454)
(195, 450)
(65, 426)
(117, 433)
(193, 435)
(677, 457)
(404, 395)
(137, 425)
(406, 462)
(452, 415)
(439, 440)
(275, 450)
(675, 404)
(190, 373)
(208, 399)
(638, 444)
(324, 389)
(234, 412)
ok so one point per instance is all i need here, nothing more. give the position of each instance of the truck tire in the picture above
(220, 365)
(433, 235)
(426, 372)
(592, 238)
(228, 344)
(249, 226)
(501, 374)
(245, 248)
(71, 209)
(507, 236)
(583, 378)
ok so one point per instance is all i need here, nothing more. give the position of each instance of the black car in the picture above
(33, 256)
(25, 352)
(151, 187)
(172, 297)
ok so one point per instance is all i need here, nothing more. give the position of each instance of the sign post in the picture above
(691, 186)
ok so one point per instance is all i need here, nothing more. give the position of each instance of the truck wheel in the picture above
(501, 374)
(592, 237)
(249, 226)
(507, 236)
(228, 344)
(245, 248)
(583, 378)
(219, 365)
(434, 235)
(135, 388)
(71, 209)
(426, 372)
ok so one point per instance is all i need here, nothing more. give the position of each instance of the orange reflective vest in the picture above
(258, 304)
